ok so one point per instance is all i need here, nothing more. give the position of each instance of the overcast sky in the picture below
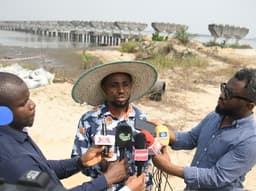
(197, 14)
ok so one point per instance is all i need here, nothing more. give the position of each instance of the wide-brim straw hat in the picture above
(87, 89)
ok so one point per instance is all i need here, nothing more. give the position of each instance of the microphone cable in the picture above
(159, 178)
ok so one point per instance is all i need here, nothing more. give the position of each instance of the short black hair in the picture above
(249, 76)
(8, 85)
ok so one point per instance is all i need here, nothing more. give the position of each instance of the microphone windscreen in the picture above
(149, 137)
(140, 141)
(162, 134)
(6, 116)
(123, 136)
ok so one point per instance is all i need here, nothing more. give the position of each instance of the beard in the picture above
(120, 104)
(227, 111)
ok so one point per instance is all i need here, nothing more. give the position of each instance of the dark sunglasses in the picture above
(229, 94)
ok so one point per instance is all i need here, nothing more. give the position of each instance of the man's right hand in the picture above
(117, 171)
(136, 183)
(93, 156)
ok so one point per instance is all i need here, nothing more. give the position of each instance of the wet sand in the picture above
(65, 62)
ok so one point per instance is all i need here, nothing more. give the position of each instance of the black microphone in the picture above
(123, 139)
(104, 133)
(140, 152)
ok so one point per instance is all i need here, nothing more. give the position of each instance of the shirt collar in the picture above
(241, 122)
(129, 114)
(17, 135)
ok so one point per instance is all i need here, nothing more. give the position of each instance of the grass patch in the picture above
(226, 45)
(129, 47)
(89, 60)
(162, 62)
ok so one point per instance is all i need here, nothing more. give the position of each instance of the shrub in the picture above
(182, 36)
(129, 46)
(157, 37)
(90, 60)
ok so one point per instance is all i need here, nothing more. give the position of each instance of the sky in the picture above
(196, 14)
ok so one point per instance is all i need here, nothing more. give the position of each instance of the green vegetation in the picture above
(22, 64)
(89, 60)
(129, 46)
(163, 55)
(182, 36)
(226, 45)
(162, 62)
(157, 37)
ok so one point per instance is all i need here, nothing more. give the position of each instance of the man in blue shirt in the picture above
(19, 153)
(225, 140)
(111, 88)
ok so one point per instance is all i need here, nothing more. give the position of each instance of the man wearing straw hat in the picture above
(110, 88)
(20, 154)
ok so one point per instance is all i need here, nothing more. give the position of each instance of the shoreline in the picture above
(66, 63)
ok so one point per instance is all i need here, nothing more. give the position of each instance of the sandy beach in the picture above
(188, 98)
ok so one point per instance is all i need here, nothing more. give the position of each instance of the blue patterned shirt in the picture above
(90, 125)
(223, 156)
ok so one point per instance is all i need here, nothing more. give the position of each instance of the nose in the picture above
(121, 89)
(32, 105)
(222, 95)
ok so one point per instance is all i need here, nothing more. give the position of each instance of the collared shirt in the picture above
(223, 155)
(19, 154)
(90, 125)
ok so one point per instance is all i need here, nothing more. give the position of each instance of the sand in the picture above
(187, 100)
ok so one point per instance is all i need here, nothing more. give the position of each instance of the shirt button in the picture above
(205, 149)
(213, 136)
(197, 162)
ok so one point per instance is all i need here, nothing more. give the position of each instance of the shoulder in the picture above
(95, 112)
(138, 112)
(212, 116)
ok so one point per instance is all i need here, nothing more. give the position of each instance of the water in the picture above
(22, 39)
(28, 40)
(207, 38)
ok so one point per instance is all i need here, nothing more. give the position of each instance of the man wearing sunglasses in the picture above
(225, 140)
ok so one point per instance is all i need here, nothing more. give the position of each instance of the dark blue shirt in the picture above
(223, 156)
(19, 154)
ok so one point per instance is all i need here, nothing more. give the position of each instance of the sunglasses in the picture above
(229, 94)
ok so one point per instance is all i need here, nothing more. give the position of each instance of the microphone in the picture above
(105, 139)
(104, 133)
(162, 134)
(140, 152)
(153, 145)
(6, 116)
(123, 139)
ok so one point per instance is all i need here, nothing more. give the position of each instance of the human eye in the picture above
(23, 103)
(126, 84)
(114, 85)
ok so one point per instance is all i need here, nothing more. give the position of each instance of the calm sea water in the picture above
(21, 39)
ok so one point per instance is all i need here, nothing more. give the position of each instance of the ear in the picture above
(250, 105)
